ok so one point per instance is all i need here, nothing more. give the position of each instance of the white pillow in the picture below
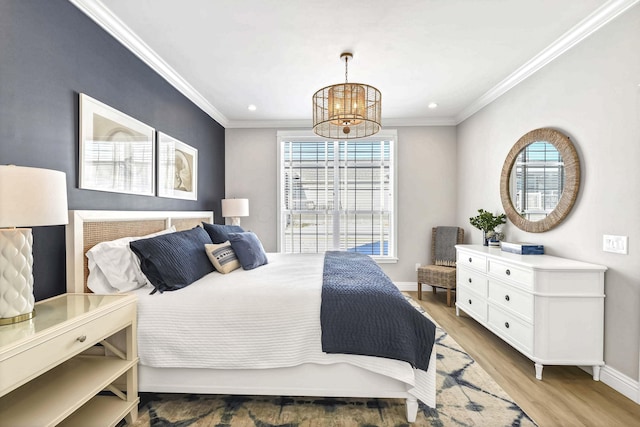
(97, 281)
(113, 267)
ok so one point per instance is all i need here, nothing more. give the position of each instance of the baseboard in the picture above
(410, 286)
(621, 383)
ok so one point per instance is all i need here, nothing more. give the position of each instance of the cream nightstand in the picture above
(45, 381)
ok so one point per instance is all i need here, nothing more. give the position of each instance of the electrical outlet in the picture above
(615, 244)
(417, 265)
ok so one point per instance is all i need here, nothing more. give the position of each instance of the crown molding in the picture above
(294, 123)
(102, 16)
(308, 124)
(601, 16)
(422, 121)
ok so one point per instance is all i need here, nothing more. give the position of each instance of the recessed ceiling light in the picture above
(252, 107)
(432, 105)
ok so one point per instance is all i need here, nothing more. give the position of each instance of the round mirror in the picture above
(540, 180)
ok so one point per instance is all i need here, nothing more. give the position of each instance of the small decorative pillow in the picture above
(220, 233)
(222, 257)
(248, 249)
(173, 261)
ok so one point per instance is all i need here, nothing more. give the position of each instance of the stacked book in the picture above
(522, 248)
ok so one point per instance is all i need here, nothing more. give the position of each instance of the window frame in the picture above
(309, 136)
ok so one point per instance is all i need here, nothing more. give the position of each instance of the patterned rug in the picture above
(466, 396)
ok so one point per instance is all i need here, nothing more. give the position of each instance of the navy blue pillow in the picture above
(175, 260)
(248, 249)
(220, 233)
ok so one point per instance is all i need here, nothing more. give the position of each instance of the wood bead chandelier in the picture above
(347, 110)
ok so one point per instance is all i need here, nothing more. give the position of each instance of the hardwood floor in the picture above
(567, 396)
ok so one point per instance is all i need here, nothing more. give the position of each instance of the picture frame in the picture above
(177, 168)
(117, 152)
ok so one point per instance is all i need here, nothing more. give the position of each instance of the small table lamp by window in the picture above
(234, 209)
(29, 197)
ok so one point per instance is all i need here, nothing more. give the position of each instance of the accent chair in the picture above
(441, 273)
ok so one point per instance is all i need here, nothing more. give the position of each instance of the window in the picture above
(337, 195)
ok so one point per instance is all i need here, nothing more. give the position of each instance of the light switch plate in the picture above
(615, 244)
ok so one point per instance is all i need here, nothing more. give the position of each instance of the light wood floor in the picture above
(566, 396)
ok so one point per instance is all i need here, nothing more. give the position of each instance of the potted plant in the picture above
(493, 237)
(487, 222)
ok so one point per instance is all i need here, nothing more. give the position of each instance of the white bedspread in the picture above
(268, 317)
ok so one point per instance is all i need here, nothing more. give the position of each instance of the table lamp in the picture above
(29, 197)
(234, 209)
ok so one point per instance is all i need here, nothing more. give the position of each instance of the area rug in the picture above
(466, 396)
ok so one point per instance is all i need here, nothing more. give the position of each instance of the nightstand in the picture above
(59, 368)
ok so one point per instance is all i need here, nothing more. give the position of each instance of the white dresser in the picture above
(550, 309)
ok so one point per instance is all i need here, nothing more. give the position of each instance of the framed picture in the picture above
(177, 169)
(117, 152)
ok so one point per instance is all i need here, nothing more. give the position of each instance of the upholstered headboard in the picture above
(88, 228)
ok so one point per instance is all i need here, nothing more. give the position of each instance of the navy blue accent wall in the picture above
(49, 53)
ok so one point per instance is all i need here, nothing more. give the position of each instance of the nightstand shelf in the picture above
(56, 384)
(112, 405)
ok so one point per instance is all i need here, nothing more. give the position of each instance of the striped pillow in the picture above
(222, 257)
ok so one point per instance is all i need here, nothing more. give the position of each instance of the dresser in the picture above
(59, 368)
(550, 309)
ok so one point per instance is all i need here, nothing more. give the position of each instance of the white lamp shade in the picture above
(235, 207)
(31, 197)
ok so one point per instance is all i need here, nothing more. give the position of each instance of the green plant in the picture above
(487, 221)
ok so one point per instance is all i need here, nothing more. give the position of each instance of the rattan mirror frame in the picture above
(572, 179)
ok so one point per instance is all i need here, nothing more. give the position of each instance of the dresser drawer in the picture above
(470, 279)
(510, 273)
(25, 365)
(472, 260)
(511, 299)
(472, 304)
(513, 330)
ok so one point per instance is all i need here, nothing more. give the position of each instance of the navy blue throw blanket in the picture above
(363, 312)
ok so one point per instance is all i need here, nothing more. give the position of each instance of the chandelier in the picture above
(346, 110)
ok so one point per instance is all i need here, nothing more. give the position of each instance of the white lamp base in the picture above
(16, 275)
(235, 220)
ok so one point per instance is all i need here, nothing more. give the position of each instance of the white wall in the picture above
(591, 93)
(251, 160)
(426, 187)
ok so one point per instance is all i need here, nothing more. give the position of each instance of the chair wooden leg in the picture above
(434, 290)
(419, 290)
(448, 297)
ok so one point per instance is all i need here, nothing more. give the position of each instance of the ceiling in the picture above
(461, 54)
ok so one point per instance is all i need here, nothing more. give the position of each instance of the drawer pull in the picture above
(469, 302)
(469, 279)
(506, 297)
(508, 272)
(470, 260)
(506, 325)
(81, 338)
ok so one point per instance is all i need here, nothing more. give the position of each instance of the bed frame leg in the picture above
(412, 409)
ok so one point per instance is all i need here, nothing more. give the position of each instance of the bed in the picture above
(279, 372)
